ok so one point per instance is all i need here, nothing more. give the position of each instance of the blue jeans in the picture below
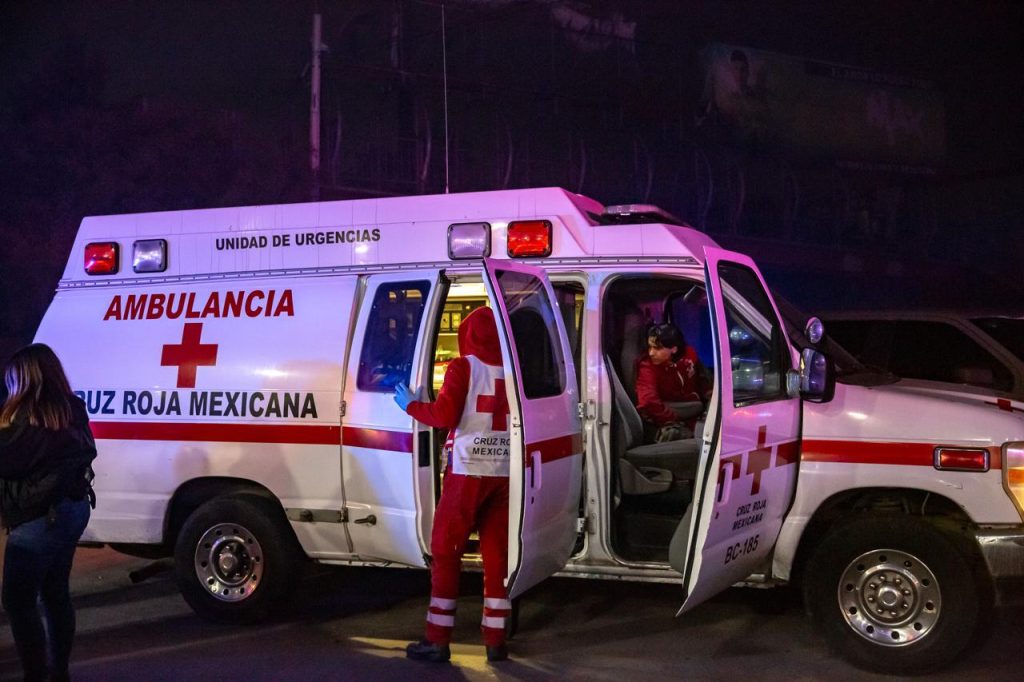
(37, 565)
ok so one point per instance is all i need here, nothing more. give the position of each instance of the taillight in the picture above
(529, 238)
(101, 258)
(1013, 473)
(961, 459)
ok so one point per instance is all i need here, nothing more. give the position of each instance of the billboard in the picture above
(807, 108)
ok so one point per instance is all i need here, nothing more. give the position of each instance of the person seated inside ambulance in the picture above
(672, 388)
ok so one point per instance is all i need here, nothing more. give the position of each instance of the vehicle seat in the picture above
(646, 469)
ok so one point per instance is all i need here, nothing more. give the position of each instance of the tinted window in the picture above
(1008, 332)
(532, 319)
(391, 332)
(940, 352)
(757, 344)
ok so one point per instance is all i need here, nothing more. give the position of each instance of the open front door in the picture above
(546, 452)
(747, 473)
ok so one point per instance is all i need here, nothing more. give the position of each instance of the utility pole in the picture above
(314, 111)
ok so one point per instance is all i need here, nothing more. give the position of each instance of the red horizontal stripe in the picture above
(301, 434)
(312, 434)
(866, 452)
(378, 439)
(556, 448)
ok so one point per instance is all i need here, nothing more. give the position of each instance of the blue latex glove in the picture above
(403, 396)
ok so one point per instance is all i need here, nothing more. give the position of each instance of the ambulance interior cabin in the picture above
(653, 481)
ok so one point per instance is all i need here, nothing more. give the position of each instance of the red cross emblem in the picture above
(758, 460)
(496, 404)
(189, 354)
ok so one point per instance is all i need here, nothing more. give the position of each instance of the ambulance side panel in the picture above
(381, 464)
(862, 440)
(236, 378)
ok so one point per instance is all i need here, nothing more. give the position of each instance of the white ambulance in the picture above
(238, 366)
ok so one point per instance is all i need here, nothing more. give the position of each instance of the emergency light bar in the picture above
(528, 238)
(635, 214)
(469, 240)
(150, 255)
(101, 258)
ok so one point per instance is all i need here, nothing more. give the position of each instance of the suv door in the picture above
(546, 449)
(748, 467)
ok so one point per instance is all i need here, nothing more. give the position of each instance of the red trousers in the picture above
(468, 503)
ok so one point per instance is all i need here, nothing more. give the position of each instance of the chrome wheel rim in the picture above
(229, 562)
(890, 597)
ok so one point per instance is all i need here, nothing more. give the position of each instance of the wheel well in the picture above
(937, 509)
(193, 494)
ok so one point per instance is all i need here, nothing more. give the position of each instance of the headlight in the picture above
(1013, 473)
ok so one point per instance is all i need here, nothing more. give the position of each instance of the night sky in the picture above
(122, 106)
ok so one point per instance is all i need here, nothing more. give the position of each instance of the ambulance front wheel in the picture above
(892, 594)
(235, 559)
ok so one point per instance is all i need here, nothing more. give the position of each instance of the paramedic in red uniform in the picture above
(474, 494)
(669, 375)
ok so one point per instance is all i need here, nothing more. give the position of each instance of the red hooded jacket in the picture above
(478, 335)
(672, 381)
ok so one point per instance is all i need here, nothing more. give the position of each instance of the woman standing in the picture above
(46, 450)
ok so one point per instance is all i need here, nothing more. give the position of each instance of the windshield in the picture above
(1007, 331)
(848, 368)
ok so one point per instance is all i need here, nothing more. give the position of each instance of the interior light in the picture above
(529, 238)
(101, 258)
(149, 255)
(469, 240)
(961, 459)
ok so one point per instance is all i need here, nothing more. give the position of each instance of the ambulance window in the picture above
(757, 343)
(391, 333)
(570, 303)
(533, 325)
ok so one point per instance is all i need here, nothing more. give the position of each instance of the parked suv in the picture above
(975, 353)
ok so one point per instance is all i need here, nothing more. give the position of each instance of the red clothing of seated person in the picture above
(670, 373)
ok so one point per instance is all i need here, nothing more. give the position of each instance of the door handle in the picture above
(370, 520)
(726, 472)
(535, 470)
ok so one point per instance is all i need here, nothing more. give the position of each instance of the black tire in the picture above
(235, 559)
(912, 572)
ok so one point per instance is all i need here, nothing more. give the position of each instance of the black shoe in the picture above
(428, 651)
(497, 653)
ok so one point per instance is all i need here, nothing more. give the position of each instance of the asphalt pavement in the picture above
(353, 624)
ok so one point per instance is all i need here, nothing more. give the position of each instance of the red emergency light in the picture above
(528, 238)
(101, 258)
(961, 459)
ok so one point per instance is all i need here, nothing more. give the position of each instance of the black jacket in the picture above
(40, 467)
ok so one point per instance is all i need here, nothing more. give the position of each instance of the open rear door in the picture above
(546, 452)
(747, 473)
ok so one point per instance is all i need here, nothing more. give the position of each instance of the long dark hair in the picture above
(37, 389)
(667, 335)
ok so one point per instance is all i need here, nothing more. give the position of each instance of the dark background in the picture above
(127, 106)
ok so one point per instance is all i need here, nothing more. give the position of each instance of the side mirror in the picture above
(817, 377)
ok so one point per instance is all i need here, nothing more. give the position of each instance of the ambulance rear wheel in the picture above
(892, 594)
(235, 559)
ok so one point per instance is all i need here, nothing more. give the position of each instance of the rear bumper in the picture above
(1003, 551)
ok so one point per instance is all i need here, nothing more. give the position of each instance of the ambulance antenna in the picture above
(444, 75)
